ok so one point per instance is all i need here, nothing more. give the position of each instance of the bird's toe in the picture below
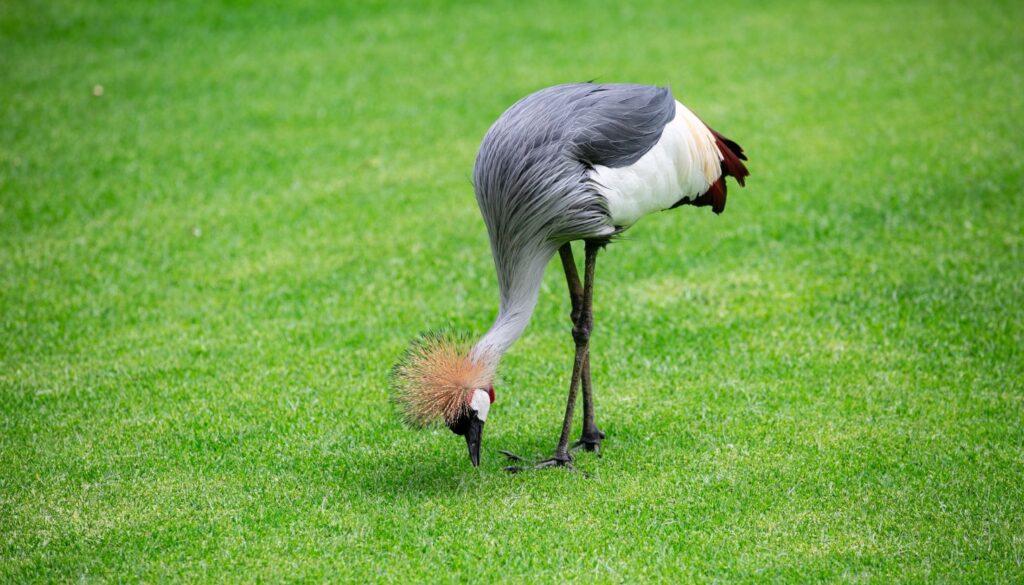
(512, 456)
(591, 441)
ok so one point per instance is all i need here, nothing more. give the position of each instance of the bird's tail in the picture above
(732, 166)
(435, 378)
(732, 155)
(732, 158)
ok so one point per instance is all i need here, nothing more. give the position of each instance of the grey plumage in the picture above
(532, 183)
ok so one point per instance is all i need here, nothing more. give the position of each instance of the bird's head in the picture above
(437, 380)
(470, 423)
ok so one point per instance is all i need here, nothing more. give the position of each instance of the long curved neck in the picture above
(519, 281)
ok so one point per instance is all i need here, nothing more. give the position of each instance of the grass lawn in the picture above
(207, 271)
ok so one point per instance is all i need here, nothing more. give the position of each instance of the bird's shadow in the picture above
(423, 478)
(424, 471)
(421, 470)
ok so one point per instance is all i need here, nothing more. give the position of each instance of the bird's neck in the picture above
(519, 283)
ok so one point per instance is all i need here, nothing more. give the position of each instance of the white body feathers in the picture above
(683, 164)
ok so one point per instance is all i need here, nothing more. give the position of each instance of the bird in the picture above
(578, 161)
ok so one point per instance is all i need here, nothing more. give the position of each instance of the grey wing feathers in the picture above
(532, 177)
(532, 172)
(618, 124)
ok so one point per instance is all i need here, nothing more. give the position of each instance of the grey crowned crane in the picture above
(570, 162)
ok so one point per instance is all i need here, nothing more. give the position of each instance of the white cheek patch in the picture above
(481, 403)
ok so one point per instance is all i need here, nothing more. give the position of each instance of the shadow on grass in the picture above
(411, 469)
(430, 468)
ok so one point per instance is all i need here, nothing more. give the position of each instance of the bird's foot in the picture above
(513, 457)
(591, 441)
(557, 460)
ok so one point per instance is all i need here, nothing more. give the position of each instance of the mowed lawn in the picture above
(207, 271)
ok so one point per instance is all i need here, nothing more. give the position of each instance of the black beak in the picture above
(473, 434)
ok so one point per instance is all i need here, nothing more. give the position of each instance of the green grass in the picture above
(207, 272)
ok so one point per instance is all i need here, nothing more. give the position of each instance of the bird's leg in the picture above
(572, 279)
(561, 458)
(581, 335)
(591, 437)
